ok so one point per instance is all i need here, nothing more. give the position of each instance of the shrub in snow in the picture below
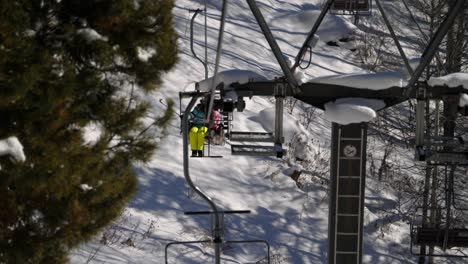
(66, 93)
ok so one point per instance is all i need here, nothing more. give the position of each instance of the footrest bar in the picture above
(222, 212)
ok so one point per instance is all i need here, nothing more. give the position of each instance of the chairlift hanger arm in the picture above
(196, 12)
(188, 178)
(215, 74)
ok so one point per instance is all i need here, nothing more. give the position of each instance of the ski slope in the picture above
(293, 220)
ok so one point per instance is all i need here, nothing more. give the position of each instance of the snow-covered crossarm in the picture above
(452, 80)
(346, 98)
(371, 81)
(229, 77)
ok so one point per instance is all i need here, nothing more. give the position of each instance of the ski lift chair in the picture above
(439, 234)
(443, 151)
(226, 108)
(443, 231)
(220, 240)
(351, 7)
(435, 237)
(439, 150)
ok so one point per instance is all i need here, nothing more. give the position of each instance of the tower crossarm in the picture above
(318, 94)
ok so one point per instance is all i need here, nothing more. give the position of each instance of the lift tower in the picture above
(348, 160)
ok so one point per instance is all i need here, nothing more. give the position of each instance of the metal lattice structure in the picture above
(348, 161)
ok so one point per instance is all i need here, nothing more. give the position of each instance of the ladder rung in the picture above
(252, 136)
(347, 214)
(346, 252)
(343, 233)
(350, 139)
(350, 158)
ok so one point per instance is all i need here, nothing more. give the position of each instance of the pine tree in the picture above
(66, 65)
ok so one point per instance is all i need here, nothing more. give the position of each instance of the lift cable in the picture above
(454, 10)
(395, 39)
(426, 38)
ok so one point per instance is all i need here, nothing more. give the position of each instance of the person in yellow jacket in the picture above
(198, 130)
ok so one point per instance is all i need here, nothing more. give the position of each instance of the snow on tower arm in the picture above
(451, 80)
(352, 110)
(230, 76)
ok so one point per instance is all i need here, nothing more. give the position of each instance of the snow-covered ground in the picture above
(294, 221)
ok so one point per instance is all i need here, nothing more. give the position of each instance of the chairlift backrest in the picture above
(351, 5)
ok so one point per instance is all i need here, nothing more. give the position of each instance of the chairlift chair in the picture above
(220, 233)
(439, 150)
(442, 231)
(440, 234)
(209, 135)
(351, 7)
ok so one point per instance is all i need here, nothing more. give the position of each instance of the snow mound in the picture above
(12, 146)
(230, 76)
(85, 187)
(463, 100)
(333, 28)
(352, 110)
(450, 80)
(90, 34)
(92, 133)
(291, 126)
(144, 54)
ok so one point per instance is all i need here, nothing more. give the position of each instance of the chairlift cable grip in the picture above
(196, 12)
(312, 32)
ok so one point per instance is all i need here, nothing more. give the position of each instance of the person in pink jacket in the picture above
(217, 127)
(217, 119)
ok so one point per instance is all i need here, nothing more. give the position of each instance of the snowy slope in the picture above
(294, 221)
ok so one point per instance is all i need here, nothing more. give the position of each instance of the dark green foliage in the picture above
(54, 81)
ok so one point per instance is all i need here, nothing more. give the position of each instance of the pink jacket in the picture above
(217, 118)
